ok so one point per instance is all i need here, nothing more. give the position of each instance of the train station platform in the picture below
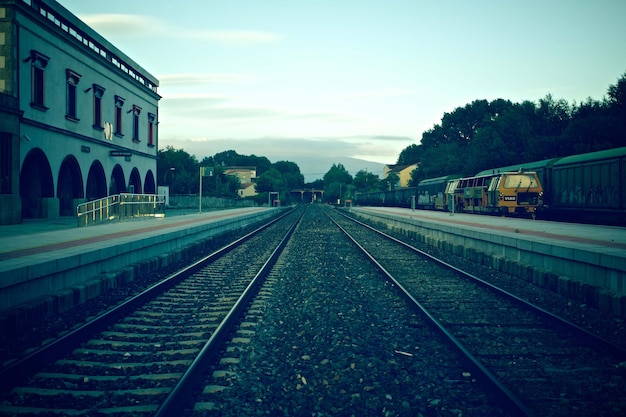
(584, 262)
(54, 264)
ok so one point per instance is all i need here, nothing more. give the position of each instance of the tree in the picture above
(617, 106)
(337, 173)
(593, 127)
(412, 154)
(270, 180)
(336, 182)
(184, 178)
(617, 95)
(364, 182)
(391, 182)
(232, 158)
(291, 174)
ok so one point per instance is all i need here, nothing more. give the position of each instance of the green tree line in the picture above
(180, 171)
(488, 134)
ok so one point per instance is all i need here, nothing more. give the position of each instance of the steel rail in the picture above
(510, 400)
(589, 336)
(23, 368)
(180, 395)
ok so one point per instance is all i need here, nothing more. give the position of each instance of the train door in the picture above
(493, 198)
(450, 195)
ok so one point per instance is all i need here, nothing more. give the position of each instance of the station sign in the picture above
(120, 153)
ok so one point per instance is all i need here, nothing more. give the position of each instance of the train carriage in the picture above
(400, 197)
(431, 193)
(591, 185)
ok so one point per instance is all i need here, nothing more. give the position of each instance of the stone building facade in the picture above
(78, 118)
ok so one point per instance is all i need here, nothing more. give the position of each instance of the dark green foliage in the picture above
(364, 182)
(232, 158)
(484, 134)
(410, 155)
(184, 178)
(337, 183)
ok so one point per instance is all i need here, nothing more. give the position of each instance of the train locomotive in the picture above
(505, 193)
(589, 187)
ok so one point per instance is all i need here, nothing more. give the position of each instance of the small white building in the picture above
(247, 190)
(78, 118)
(246, 176)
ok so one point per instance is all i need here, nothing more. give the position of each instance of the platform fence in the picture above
(119, 207)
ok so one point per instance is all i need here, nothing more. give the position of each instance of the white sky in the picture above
(292, 79)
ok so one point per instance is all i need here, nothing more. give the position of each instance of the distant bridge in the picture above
(307, 195)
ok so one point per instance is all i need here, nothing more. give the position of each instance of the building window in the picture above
(72, 80)
(5, 163)
(38, 64)
(151, 125)
(119, 103)
(136, 113)
(98, 92)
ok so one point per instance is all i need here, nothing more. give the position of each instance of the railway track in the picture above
(329, 336)
(538, 363)
(141, 357)
(325, 334)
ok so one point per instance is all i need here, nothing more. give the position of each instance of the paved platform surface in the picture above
(601, 238)
(54, 263)
(46, 235)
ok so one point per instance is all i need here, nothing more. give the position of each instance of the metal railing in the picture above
(119, 207)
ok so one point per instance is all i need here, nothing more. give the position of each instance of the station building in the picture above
(78, 118)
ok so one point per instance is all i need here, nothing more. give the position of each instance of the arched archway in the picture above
(96, 182)
(69, 186)
(118, 183)
(134, 183)
(36, 184)
(149, 185)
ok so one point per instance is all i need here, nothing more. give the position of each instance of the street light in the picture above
(172, 169)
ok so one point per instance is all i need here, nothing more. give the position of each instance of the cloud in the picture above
(195, 79)
(277, 148)
(215, 108)
(394, 138)
(123, 24)
(314, 155)
(127, 25)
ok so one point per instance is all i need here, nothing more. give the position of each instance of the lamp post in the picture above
(172, 169)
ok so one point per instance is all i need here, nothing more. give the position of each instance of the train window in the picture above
(520, 181)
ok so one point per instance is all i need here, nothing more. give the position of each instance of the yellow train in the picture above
(506, 193)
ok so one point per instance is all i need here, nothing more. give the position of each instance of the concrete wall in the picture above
(185, 201)
(61, 280)
(595, 278)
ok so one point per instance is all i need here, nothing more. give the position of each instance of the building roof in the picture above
(240, 168)
(399, 168)
(85, 35)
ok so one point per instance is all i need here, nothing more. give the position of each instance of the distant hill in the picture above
(315, 168)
